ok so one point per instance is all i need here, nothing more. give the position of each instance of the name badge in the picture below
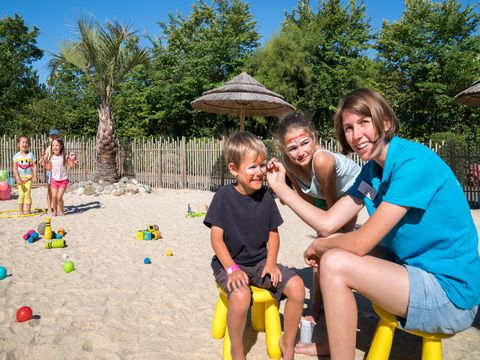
(367, 190)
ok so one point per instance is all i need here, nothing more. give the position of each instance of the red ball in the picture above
(24, 314)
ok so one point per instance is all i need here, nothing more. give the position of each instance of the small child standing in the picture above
(244, 218)
(57, 164)
(46, 154)
(25, 172)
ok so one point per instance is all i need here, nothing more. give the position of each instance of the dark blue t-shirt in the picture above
(246, 221)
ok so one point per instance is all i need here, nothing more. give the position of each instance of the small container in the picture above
(306, 331)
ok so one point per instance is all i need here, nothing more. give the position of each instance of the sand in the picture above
(113, 306)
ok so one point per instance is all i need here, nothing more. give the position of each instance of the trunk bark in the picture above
(106, 144)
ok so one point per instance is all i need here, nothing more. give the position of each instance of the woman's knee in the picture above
(335, 262)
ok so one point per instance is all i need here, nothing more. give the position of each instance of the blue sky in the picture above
(56, 18)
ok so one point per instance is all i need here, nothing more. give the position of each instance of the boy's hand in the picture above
(274, 272)
(237, 280)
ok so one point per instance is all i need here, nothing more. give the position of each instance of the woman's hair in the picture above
(293, 121)
(240, 144)
(369, 103)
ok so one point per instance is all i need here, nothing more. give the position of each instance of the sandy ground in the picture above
(113, 306)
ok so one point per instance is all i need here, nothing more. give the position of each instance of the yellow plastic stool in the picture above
(383, 338)
(264, 316)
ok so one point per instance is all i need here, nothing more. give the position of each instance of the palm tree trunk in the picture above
(106, 143)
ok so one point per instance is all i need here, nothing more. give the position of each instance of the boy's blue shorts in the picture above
(254, 274)
(429, 308)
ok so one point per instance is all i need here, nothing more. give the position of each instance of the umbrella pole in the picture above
(242, 118)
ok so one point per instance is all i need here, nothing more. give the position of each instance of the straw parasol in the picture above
(470, 96)
(244, 96)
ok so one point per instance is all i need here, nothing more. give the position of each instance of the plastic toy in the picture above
(24, 314)
(169, 252)
(8, 214)
(147, 261)
(68, 266)
(41, 228)
(3, 272)
(191, 214)
(5, 190)
(61, 231)
(55, 244)
(48, 230)
(33, 237)
(151, 233)
(27, 235)
(3, 174)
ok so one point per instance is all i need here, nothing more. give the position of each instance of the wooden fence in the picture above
(199, 163)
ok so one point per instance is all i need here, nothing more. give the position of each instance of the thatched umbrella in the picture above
(470, 96)
(244, 96)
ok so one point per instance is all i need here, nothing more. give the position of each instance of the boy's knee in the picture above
(240, 300)
(295, 288)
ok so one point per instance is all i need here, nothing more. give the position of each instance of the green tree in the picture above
(18, 81)
(101, 55)
(317, 57)
(193, 55)
(428, 56)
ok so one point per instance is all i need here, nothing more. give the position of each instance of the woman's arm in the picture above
(298, 189)
(364, 240)
(324, 222)
(325, 167)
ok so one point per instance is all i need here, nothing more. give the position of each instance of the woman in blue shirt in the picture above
(418, 212)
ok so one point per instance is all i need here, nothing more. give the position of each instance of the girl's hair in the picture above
(293, 121)
(62, 149)
(369, 103)
(23, 137)
(240, 144)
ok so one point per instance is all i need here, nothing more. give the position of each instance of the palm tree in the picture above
(104, 56)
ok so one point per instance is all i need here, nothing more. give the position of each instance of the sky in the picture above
(56, 18)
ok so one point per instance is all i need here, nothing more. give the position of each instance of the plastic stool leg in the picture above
(227, 354)
(431, 349)
(258, 317)
(273, 330)
(382, 342)
(219, 323)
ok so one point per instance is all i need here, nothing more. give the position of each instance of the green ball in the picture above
(68, 266)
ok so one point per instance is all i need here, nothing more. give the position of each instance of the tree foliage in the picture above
(18, 81)
(428, 56)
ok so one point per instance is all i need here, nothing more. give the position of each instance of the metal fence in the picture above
(199, 163)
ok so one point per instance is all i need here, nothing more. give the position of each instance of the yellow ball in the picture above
(169, 252)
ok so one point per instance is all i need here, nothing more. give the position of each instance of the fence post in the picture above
(183, 163)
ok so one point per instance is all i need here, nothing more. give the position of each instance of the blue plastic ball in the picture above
(3, 272)
(147, 261)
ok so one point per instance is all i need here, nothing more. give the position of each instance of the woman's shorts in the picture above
(59, 184)
(429, 308)
(255, 275)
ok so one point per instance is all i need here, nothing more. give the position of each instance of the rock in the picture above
(80, 191)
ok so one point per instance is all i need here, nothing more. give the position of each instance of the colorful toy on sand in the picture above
(191, 214)
(152, 232)
(8, 214)
(5, 190)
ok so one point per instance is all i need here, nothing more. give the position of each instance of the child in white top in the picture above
(57, 164)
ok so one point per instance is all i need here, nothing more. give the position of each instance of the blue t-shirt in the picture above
(437, 234)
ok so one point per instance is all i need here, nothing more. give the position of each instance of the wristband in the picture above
(232, 268)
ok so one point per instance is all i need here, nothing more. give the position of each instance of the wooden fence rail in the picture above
(199, 163)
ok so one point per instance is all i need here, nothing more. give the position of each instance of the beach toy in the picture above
(11, 181)
(156, 227)
(150, 228)
(3, 174)
(68, 266)
(41, 228)
(65, 256)
(147, 235)
(139, 235)
(192, 214)
(5, 190)
(58, 236)
(61, 231)
(3, 272)
(55, 244)
(169, 252)
(33, 237)
(24, 314)
(156, 234)
(48, 229)
(27, 235)
(147, 261)
(14, 213)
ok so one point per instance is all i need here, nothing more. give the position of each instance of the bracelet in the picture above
(232, 268)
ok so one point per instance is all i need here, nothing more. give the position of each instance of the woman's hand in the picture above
(310, 255)
(275, 174)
